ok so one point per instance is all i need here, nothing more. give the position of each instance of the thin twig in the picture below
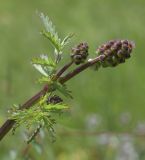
(81, 68)
(62, 70)
(34, 134)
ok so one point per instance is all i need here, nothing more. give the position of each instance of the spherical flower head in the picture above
(80, 53)
(116, 52)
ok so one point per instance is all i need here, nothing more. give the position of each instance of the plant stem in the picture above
(62, 70)
(6, 127)
(34, 134)
(80, 69)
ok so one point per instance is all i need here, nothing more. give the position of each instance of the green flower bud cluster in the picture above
(80, 53)
(115, 51)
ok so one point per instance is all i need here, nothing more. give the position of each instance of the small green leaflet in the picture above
(49, 27)
(43, 60)
(40, 69)
(53, 39)
(56, 107)
(50, 32)
(52, 35)
(63, 89)
(66, 40)
(44, 79)
(44, 65)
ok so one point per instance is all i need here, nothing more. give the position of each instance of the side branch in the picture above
(81, 68)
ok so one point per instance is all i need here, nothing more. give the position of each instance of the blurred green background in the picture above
(110, 100)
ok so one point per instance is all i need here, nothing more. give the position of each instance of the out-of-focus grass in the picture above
(108, 92)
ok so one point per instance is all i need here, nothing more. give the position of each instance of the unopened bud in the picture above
(115, 51)
(80, 53)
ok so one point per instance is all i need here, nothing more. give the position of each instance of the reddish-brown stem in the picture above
(9, 123)
(6, 127)
(62, 70)
(80, 69)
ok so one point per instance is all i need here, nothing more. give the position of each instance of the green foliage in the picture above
(44, 79)
(62, 88)
(46, 66)
(50, 33)
(66, 40)
(43, 60)
(40, 114)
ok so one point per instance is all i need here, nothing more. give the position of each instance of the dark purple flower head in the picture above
(54, 100)
(80, 53)
(115, 51)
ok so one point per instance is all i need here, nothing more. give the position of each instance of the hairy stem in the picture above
(6, 127)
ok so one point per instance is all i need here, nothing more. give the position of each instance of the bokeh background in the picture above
(107, 117)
